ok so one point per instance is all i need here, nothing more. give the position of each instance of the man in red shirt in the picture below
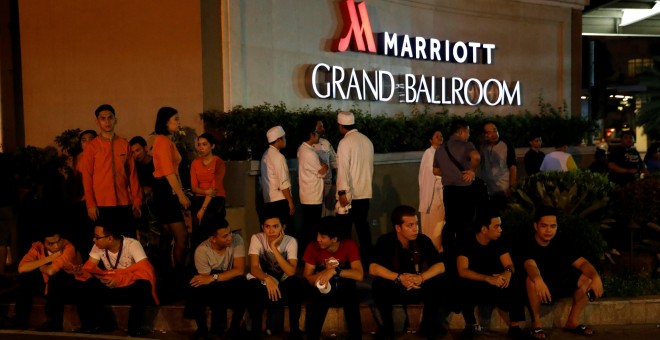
(112, 188)
(334, 264)
(49, 268)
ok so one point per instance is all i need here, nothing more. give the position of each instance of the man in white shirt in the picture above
(274, 180)
(355, 168)
(128, 278)
(220, 281)
(431, 205)
(328, 156)
(272, 279)
(311, 173)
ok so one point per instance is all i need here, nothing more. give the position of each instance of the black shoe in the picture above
(238, 333)
(201, 335)
(14, 323)
(295, 335)
(515, 332)
(94, 329)
(382, 335)
(470, 331)
(137, 333)
(47, 327)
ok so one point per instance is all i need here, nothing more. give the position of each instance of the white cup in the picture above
(324, 289)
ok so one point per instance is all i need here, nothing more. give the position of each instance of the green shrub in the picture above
(579, 191)
(638, 201)
(630, 285)
(242, 131)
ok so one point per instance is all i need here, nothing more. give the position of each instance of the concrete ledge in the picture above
(611, 311)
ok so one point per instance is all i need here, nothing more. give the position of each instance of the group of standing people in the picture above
(317, 159)
(622, 163)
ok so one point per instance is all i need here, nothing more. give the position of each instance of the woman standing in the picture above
(207, 173)
(169, 196)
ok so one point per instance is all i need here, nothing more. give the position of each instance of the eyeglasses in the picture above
(100, 237)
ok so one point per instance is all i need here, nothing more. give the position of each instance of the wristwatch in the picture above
(338, 270)
(215, 277)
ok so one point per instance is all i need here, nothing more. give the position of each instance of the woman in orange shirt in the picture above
(169, 196)
(207, 173)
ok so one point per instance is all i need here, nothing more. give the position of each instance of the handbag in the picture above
(478, 187)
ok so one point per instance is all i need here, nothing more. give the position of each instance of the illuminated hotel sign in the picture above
(336, 82)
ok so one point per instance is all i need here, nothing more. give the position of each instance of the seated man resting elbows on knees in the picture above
(554, 271)
(487, 275)
(406, 270)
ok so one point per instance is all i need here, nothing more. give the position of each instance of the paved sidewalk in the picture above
(627, 332)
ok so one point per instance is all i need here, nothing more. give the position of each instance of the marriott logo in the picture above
(358, 35)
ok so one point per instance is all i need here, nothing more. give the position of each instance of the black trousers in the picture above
(219, 296)
(62, 288)
(344, 294)
(292, 290)
(386, 293)
(460, 210)
(358, 215)
(96, 295)
(512, 299)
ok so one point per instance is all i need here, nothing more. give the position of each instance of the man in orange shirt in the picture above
(47, 269)
(110, 180)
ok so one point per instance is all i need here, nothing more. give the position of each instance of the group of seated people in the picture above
(406, 269)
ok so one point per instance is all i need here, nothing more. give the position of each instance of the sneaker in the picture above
(470, 331)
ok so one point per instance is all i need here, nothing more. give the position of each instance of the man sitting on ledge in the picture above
(487, 275)
(334, 267)
(406, 270)
(554, 271)
(128, 278)
(49, 268)
(219, 281)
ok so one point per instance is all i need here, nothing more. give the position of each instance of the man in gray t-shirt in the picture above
(460, 205)
(220, 280)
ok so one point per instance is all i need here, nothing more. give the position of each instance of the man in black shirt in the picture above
(625, 163)
(554, 271)
(406, 270)
(486, 271)
(144, 164)
(534, 156)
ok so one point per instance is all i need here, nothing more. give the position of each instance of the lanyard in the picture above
(121, 247)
